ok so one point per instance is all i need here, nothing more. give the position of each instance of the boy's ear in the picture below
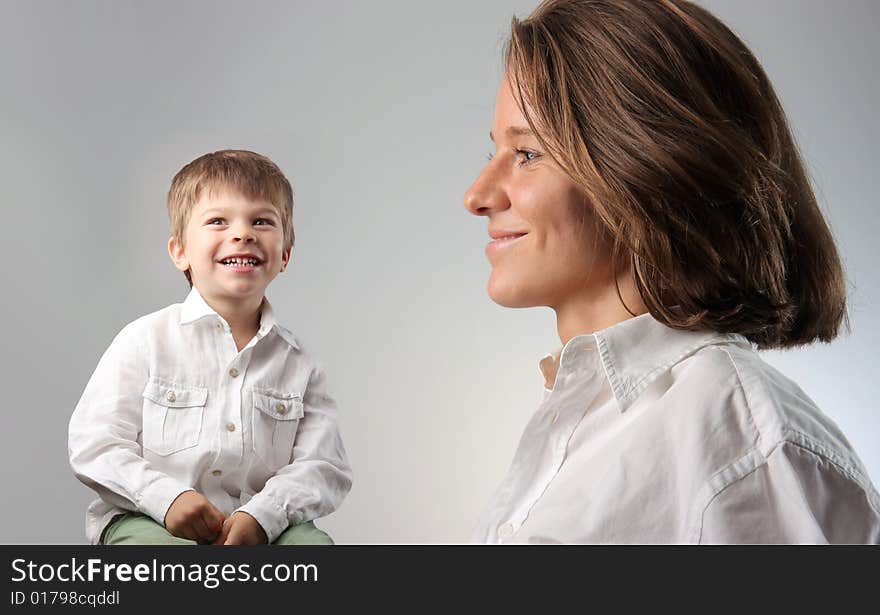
(285, 257)
(178, 257)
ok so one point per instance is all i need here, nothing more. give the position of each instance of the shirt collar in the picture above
(634, 353)
(195, 308)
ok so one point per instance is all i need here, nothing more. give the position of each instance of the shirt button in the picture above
(505, 530)
(280, 408)
(233, 372)
(220, 326)
(217, 472)
(170, 396)
(230, 426)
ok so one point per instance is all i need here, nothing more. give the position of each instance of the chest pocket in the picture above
(275, 420)
(172, 416)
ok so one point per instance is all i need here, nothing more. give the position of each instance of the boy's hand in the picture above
(192, 516)
(241, 529)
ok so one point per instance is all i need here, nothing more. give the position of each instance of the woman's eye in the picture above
(526, 156)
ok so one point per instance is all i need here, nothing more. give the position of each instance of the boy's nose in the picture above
(244, 233)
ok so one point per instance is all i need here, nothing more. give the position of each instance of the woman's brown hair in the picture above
(673, 130)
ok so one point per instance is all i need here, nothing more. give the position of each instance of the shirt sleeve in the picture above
(797, 496)
(319, 477)
(103, 434)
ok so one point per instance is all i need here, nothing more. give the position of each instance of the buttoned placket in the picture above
(228, 421)
(552, 426)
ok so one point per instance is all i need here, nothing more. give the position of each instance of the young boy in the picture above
(206, 421)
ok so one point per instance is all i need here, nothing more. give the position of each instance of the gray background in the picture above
(379, 114)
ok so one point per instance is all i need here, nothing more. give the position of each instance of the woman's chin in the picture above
(509, 295)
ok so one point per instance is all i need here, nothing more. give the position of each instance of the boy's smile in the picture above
(233, 247)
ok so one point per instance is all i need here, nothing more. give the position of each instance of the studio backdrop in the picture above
(379, 114)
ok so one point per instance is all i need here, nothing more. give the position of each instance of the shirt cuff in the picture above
(271, 517)
(158, 496)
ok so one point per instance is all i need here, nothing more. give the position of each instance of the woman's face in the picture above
(545, 250)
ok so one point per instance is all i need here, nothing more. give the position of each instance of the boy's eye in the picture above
(222, 221)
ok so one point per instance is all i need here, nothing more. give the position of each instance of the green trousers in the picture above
(138, 529)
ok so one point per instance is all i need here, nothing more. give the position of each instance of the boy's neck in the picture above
(243, 317)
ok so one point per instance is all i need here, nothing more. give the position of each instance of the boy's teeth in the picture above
(239, 261)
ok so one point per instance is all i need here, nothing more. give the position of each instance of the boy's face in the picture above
(233, 247)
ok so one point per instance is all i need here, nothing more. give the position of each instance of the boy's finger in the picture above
(214, 519)
(180, 531)
(234, 537)
(203, 532)
(189, 532)
(224, 531)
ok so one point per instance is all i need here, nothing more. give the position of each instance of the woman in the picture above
(646, 186)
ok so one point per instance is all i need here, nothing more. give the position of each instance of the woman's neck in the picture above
(592, 311)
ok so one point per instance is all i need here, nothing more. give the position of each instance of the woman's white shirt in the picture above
(653, 435)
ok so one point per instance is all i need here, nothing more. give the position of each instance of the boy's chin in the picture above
(231, 292)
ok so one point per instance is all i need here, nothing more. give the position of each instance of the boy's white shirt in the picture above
(174, 406)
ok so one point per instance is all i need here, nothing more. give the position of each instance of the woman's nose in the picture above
(486, 194)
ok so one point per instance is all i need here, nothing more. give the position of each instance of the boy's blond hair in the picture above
(251, 174)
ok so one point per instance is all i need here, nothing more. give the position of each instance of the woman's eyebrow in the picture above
(515, 131)
(519, 131)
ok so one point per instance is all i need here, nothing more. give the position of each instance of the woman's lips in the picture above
(501, 243)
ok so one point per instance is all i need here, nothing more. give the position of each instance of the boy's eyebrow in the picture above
(222, 210)
(515, 131)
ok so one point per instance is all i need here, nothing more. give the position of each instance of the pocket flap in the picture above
(279, 407)
(175, 396)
